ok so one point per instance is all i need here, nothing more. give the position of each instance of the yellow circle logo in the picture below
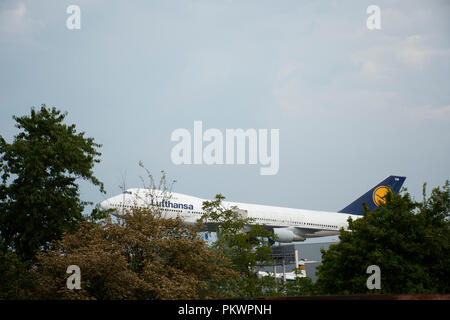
(379, 195)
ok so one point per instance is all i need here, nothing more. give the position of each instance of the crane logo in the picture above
(379, 195)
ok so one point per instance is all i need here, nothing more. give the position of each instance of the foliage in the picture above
(244, 243)
(143, 257)
(15, 281)
(408, 240)
(39, 197)
(299, 287)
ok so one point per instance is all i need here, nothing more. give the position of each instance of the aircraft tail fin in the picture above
(375, 196)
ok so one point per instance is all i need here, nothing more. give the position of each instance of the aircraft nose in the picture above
(105, 205)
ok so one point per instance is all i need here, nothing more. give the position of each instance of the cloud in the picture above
(428, 112)
(14, 20)
(414, 51)
(16, 24)
(374, 62)
(395, 55)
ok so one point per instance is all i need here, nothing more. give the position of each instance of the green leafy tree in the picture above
(246, 244)
(15, 282)
(39, 195)
(408, 240)
(301, 286)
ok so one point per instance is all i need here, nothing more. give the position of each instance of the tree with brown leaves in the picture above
(139, 256)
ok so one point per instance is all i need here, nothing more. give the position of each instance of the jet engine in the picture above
(285, 235)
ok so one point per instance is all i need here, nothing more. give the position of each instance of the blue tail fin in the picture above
(375, 196)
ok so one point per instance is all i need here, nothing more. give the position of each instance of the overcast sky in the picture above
(353, 105)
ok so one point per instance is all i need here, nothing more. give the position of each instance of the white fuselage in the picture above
(284, 221)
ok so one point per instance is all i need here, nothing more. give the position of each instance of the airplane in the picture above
(288, 224)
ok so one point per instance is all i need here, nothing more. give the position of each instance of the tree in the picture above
(144, 256)
(39, 196)
(15, 281)
(408, 240)
(301, 286)
(244, 243)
